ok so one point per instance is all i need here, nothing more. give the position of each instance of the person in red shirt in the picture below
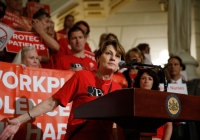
(130, 74)
(27, 57)
(41, 24)
(83, 87)
(65, 48)
(68, 24)
(77, 59)
(13, 19)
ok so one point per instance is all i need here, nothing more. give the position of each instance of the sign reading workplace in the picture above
(21, 89)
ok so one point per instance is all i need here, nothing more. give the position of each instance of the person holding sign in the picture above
(147, 79)
(181, 130)
(174, 67)
(84, 86)
(41, 24)
(27, 57)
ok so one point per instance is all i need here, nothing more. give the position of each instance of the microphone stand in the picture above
(165, 79)
(135, 63)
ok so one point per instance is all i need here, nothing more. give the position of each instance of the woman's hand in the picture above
(23, 66)
(11, 129)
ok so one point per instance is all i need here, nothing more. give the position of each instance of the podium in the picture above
(142, 110)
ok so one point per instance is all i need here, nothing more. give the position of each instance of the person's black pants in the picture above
(188, 131)
(181, 132)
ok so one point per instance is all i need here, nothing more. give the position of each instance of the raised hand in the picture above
(38, 26)
(10, 130)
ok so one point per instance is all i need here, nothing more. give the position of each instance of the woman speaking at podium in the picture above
(147, 79)
(84, 86)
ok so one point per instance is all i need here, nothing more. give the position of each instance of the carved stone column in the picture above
(179, 34)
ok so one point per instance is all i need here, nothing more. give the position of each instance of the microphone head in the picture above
(122, 63)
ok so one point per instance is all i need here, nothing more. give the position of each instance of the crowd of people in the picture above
(67, 51)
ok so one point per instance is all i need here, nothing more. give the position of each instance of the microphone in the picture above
(123, 64)
(134, 65)
(137, 65)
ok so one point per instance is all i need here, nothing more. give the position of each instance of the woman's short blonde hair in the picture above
(117, 46)
(20, 55)
(25, 49)
(136, 50)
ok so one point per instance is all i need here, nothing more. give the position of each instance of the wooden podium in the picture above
(140, 109)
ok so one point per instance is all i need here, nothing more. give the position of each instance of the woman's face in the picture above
(109, 59)
(69, 22)
(134, 55)
(31, 59)
(146, 81)
(146, 50)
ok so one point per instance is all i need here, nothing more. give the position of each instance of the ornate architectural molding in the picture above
(82, 9)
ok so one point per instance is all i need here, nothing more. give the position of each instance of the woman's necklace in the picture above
(102, 80)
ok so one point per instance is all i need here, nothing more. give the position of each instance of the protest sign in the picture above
(21, 89)
(20, 39)
(15, 21)
(5, 34)
(32, 7)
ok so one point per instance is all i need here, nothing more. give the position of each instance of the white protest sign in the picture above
(5, 34)
(147, 59)
(176, 88)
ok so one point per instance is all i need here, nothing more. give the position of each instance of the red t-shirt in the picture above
(120, 79)
(63, 31)
(65, 48)
(78, 89)
(14, 20)
(50, 63)
(160, 132)
(70, 61)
